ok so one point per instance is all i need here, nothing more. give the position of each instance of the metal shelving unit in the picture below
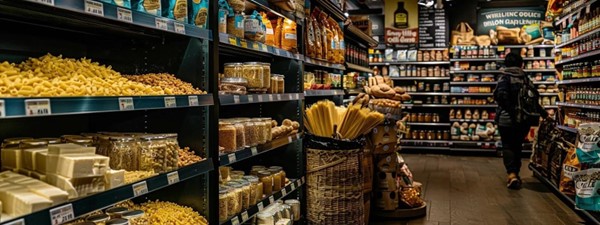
(475, 71)
(579, 57)
(579, 81)
(420, 78)
(431, 63)
(428, 124)
(258, 98)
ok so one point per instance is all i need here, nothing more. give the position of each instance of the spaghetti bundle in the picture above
(326, 120)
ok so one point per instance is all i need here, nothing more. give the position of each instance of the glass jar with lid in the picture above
(240, 133)
(117, 221)
(268, 126)
(276, 179)
(136, 217)
(422, 135)
(116, 212)
(123, 153)
(98, 218)
(265, 218)
(253, 72)
(227, 137)
(82, 141)
(223, 207)
(421, 117)
(281, 173)
(280, 80)
(172, 153)
(252, 130)
(64, 138)
(232, 200)
(236, 191)
(51, 141)
(233, 69)
(236, 174)
(153, 150)
(430, 135)
(256, 186)
(267, 180)
(266, 75)
(246, 191)
(428, 118)
(273, 88)
(262, 136)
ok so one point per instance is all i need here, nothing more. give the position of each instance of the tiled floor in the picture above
(471, 190)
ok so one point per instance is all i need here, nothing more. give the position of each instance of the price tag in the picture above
(276, 51)
(140, 188)
(293, 186)
(232, 41)
(236, 99)
(45, 2)
(235, 221)
(270, 98)
(297, 96)
(37, 107)
(278, 97)
(170, 102)
(16, 222)
(290, 139)
(61, 214)
(126, 104)
(260, 98)
(501, 48)
(303, 179)
(254, 151)
(173, 177)
(94, 7)
(299, 183)
(271, 199)
(124, 15)
(231, 158)
(245, 216)
(179, 28)
(243, 43)
(193, 100)
(161, 24)
(479, 144)
(2, 109)
(256, 46)
(260, 206)
(250, 98)
(587, 8)
(264, 48)
(284, 192)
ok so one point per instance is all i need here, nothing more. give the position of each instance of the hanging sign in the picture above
(488, 19)
(395, 36)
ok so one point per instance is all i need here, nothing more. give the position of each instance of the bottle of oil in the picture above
(401, 16)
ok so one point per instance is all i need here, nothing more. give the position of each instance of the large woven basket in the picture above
(335, 187)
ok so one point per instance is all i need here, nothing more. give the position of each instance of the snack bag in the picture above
(223, 13)
(122, 3)
(587, 189)
(199, 13)
(569, 168)
(152, 7)
(176, 9)
(269, 32)
(588, 143)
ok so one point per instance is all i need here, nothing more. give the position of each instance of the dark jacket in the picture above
(506, 95)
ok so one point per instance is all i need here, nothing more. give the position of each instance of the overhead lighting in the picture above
(426, 3)
(346, 14)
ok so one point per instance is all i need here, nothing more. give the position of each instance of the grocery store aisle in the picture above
(471, 190)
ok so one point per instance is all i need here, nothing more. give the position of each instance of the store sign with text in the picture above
(395, 36)
(488, 19)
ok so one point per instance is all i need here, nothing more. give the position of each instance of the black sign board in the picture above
(433, 28)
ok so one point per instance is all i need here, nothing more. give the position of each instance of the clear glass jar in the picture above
(227, 137)
(237, 174)
(262, 137)
(246, 191)
(172, 152)
(135, 217)
(266, 75)
(267, 180)
(98, 219)
(153, 149)
(251, 135)
(280, 173)
(123, 153)
(236, 191)
(232, 201)
(254, 194)
(240, 134)
(223, 207)
(116, 212)
(280, 80)
(233, 69)
(51, 141)
(296, 211)
(265, 218)
(82, 141)
(253, 72)
(273, 88)
(225, 172)
(268, 125)
(64, 138)
(276, 179)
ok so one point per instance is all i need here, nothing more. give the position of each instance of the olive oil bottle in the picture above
(401, 16)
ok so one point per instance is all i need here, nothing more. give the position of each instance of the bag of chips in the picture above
(587, 189)
(152, 7)
(588, 143)
(199, 15)
(569, 168)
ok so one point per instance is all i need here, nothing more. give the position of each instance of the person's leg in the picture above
(517, 148)
(509, 141)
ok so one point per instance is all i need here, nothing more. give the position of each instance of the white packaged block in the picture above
(114, 178)
(28, 156)
(65, 149)
(79, 166)
(11, 158)
(25, 202)
(77, 187)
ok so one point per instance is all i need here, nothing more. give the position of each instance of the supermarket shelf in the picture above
(253, 210)
(264, 5)
(409, 106)
(124, 17)
(428, 124)
(475, 71)
(539, 70)
(568, 129)
(424, 148)
(579, 81)
(316, 93)
(410, 63)
(434, 49)
(473, 83)
(358, 68)
(471, 94)
(105, 199)
(425, 141)
(573, 105)
(524, 46)
(473, 106)
(544, 82)
(18, 107)
(548, 94)
(590, 217)
(331, 9)
(256, 47)
(550, 106)
(579, 57)
(354, 31)
(355, 91)
(581, 37)
(472, 149)
(247, 153)
(428, 93)
(478, 143)
(258, 98)
(315, 62)
(472, 121)
(539, 58)
(420, 78)
(477, 60)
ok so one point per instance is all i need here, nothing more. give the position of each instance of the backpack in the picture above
(526, 109)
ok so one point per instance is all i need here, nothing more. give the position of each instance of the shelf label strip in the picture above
(124, 15)
(94, 7)
(37, 107)
(173, 177)
(161, 24)
(254, 151)
(126, 104)
(62, 214)
(260, 206)
(193, 100)
(245, 216)
(271, 199)
(140, 188)
(231, 158)
(179, 28)
(170, 102)
(45, 2)
(235, 221)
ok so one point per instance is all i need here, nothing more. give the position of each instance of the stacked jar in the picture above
(235, 18)
(277, 84)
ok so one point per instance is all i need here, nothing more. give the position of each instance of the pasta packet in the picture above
(587, 189)
(588, 143)
(176, 9)
(199, 13)
(223, 12)
(152, 7)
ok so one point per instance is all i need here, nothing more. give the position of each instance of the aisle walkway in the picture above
(471, 190)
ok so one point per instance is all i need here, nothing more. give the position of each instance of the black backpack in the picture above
(527, 109)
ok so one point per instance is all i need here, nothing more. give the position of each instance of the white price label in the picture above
(245, 216)
(293, 186)
(94, 7)
(250, 98)
(260, 98)
(16, 222)
(235, 221)
(173, 177)
(126, 103)
(45, 2)
(236, 99)
(170, 102)
(140, 188)
(297, 96)
(587, 8)
(62, 214)
(2, 109)
(303, 179)
(260, 206)
(264, 48)
(231, 158)
(271, 199)
(37, 107)
(254, 151)
(278, 97)
(276, 51)
(290, 139)
(284, 192)
(299, 183)
(479, 144)
(161, 23)
(193, 100)
(270, 98)
(179, 28)
(124, 15)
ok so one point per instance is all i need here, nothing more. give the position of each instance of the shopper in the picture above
(509, 116)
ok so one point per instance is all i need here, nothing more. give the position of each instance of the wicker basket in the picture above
(335, 187)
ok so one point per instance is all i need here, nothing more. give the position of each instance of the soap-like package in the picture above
(79, 166)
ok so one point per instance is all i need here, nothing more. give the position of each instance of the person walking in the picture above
(512, 117)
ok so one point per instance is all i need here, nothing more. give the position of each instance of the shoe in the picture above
(514, 182)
